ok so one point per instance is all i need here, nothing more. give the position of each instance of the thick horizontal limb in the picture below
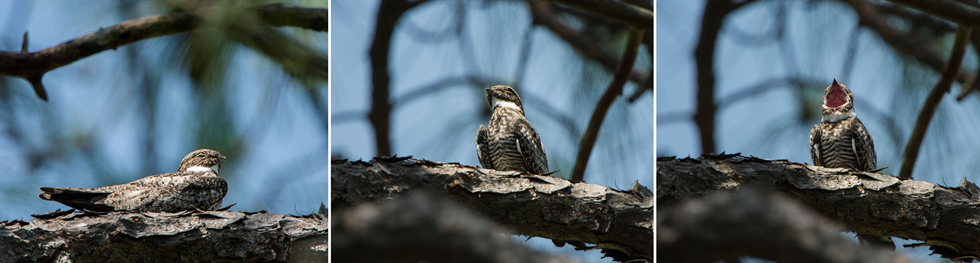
(945, 218)
(618, 222)
(164, 237)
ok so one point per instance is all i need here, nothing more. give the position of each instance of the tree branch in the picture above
(164, 237)
(614, 90)
(963, 14)
(389, 12)
(732, 224)
(944, 218)
(542, 15)
(711, 22)
(634, 16)
(868, 17)
(620, 223)
(33, 65)
(422, 227)
(975, 86)
(932, 102)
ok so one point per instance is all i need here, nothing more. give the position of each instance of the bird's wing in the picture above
(864, 146)
(529, 145)
(815, 145)
(78, 198)
(201, 192)
(171, 193)
(483, 148)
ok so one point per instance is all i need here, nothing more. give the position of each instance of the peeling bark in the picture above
(212, 236)
(424, 227)
(620, 223)
(732, 224)
(947, 219)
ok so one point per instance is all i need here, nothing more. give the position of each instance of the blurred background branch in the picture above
(614, 90)
(33, 65)
(247, 80)
(932, 102)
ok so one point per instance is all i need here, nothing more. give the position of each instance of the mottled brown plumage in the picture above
(841, 141)
(195, 186)
(509, 143)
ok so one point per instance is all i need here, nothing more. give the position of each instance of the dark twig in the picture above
(711, 23)
(648, 84)
(542, 15)
(975, 38)
(634, 16)
(902, 42)
(23, 46)
(602, 107)
(932, 102)
(33, 65)
(443, 84)
(388, 15)
(963, 14)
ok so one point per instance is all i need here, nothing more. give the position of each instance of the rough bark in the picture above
(947, 219)
(620, 223)
(424, 227)
(731, 225)
(212, 236)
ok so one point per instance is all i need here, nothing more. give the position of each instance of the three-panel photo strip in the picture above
(489, 131)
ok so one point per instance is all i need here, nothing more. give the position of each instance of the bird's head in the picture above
(201, 161)
(838, 103)
(504, 96)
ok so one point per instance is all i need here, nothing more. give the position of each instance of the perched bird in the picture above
(841, 141)
(510, 143)
(195, 185)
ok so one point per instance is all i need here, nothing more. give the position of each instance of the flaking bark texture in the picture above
(731, 224)
(947, 219)
(213, 236)
(618, 222)
(424, 227)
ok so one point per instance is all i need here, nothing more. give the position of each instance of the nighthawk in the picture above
(195, 186)
(510, 143)
(841, 141)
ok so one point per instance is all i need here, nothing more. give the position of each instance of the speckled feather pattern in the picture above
(510, 143)
(172, 192)
(843, 144)
(840, 140)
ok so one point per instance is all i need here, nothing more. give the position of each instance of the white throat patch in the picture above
(506, 104)
(835, 117)
(202, 169)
